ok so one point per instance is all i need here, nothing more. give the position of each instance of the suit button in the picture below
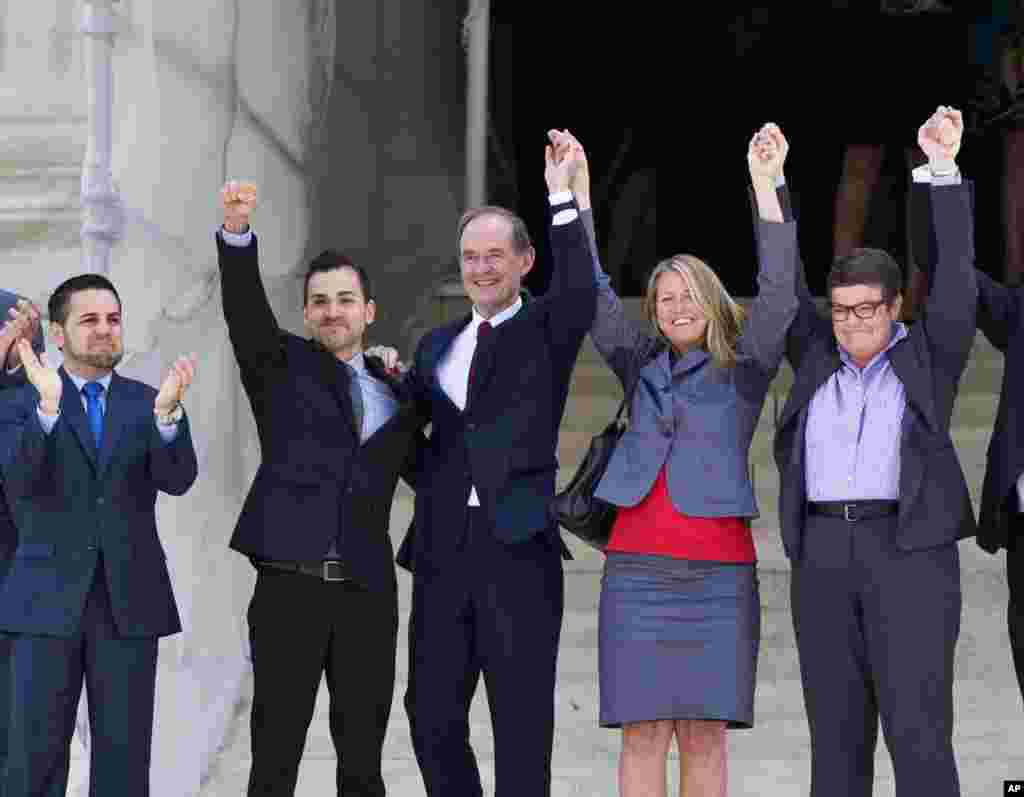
(100, 501)
(471, 427)
(666, 427)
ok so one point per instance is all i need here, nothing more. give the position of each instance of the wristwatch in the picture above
(173, 417)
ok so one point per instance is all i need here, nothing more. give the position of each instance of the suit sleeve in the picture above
(998, 305)
(762, 343)
(777, 243)
(615, 336)
(572, 296)
(951, 310)
(27, 453)
(173, 466)
(252, 327)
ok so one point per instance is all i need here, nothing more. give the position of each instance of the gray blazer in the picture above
(694, 416)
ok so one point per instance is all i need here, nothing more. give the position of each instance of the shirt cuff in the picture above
(780, 181)
(14, 370)
(168, 431)
(923, 174)
(239, 239)
(47, 421)
(560, 198)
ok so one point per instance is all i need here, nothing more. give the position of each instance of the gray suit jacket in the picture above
(694, 417)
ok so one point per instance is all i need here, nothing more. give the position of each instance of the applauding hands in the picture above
(23, 324)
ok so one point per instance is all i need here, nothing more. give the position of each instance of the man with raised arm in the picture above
(84, 453)
(873, 498)
(484, 551)
(336, 429)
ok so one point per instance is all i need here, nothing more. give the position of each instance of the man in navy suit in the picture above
(873, 498)
(485, 553)
(84, 453)
(22, 322)
(336, 430)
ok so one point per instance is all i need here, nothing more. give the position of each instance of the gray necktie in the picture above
(356, 393)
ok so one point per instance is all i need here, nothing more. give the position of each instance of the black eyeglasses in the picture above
(864, 310)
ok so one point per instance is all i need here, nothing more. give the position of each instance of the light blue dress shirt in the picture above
(167, 431)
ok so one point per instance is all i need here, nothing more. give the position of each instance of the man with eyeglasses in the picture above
(873, 498)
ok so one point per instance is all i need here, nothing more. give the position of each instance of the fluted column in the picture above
(477, 40)
(103, 223)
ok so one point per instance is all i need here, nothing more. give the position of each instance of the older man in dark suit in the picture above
(85, 452)
(485, 553)
(873, 500)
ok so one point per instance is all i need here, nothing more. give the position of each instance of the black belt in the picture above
(328, 570)
(852, 511)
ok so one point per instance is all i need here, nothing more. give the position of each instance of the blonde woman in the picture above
(679, 614)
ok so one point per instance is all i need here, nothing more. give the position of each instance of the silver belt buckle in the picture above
(849, 516)
(332, 571)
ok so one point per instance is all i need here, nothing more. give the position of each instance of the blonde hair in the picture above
(725, 317)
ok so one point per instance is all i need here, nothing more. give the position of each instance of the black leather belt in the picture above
(328, 570)
(852, 511)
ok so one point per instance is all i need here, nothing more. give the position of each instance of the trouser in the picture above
(493, 609)
(1015, 609)
(47, 674)
(876, 629)
(301, 628)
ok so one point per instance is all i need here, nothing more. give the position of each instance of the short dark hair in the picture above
(332, 260)
(867, 267)
(520, 234)
(59, 306)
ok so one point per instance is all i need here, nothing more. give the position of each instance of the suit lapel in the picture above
(901, 357)
(816, 371)
(336, 379)
(114, 418)
(433, 355)
(74, 414)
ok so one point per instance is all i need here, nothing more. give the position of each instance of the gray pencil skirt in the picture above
(677, 640)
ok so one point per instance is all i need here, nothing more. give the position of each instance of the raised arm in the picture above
(998, 305)
(951, 309)
(762, 343)
(615, 336)
(778, 248)
(252, 327)
(573, 292)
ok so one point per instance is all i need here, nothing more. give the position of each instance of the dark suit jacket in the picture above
(315, 481)
(935, 506)
(72, 503)
(505, 441)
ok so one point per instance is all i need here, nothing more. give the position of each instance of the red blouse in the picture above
(654, 526)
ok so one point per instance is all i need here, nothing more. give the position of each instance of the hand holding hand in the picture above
(940, 137)
(559, 163)
(177, 381)
(239, 201)
(388, 355)
(43, 378)
(579, 180)
(766, 154)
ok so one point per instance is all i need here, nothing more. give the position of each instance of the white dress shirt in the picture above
(453, 369)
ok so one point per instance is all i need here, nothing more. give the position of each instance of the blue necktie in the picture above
(93, 409)
(356, 393)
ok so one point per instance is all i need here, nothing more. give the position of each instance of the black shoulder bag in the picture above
(576, 508)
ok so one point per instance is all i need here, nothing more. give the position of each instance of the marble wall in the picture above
(349, 118)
